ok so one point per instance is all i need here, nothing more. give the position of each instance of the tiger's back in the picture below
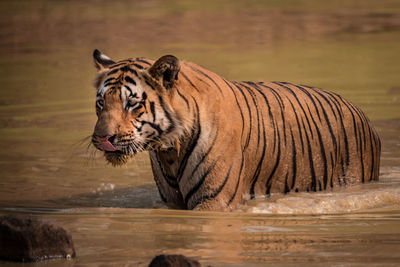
(317, 140)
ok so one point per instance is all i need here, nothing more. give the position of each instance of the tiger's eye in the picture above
(131, 102)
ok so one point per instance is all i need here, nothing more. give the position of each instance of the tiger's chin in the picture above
(117, 158)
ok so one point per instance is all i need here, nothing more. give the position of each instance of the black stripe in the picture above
(266, 101)
(143, 61)
(333, 137)
(108, 80)
(343, 173)
(376, 152)
(204, 155)
(310, 96)
(171, 181)
(252, 95)
(199, 183)
(184, 98)
(150, 135)
(361, 119)
(112, 71)
(189, 81)
(111, 83)
(322, 148)
(238, 181)
(278, 158)
(128, 69)
(333, 164)
(276, 95)
(130, 91)
(152, 125)
(152, 109)
(294, 159)
(354, 124)
(258, 169)
(274, 125)
(137, 66)
(340, 115)
(361, 158)
(372, 153)
(301, 107)
(118, 64)
(195, 133)
(130, 80)
(286, 189)
(238, 105)
(243, 150)
(334, 141)
(298, 126)
(310, 158)
(282, 108)
(215, 193)
(326, 100)
(208, 77)
(167, 114)
(250, 117)
(150, 85)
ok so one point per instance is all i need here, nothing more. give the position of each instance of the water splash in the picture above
(358, 198)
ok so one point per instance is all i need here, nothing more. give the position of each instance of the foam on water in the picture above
(358, 198)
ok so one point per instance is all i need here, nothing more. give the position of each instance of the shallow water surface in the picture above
(115, 215)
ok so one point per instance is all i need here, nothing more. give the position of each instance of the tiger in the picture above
(215, 144)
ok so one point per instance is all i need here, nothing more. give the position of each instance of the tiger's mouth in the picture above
(118, 154)
(121, 152)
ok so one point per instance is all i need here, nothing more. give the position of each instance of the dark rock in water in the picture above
(28, 238)
(173, 261)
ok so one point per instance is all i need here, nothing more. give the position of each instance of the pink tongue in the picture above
(107, 146)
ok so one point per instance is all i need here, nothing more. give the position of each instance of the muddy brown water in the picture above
(114, 214)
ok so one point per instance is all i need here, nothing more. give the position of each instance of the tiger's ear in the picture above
(101, 61)
(167, 69)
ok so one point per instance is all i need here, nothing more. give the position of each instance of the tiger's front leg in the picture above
(166, 182)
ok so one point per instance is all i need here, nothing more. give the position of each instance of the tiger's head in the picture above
(133, 106)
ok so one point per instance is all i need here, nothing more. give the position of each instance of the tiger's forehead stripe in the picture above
(129, 80)
(109, 83)
(125, 67)
(143, 61)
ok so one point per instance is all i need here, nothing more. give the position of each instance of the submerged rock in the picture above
(28, 238)
(173, 261)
